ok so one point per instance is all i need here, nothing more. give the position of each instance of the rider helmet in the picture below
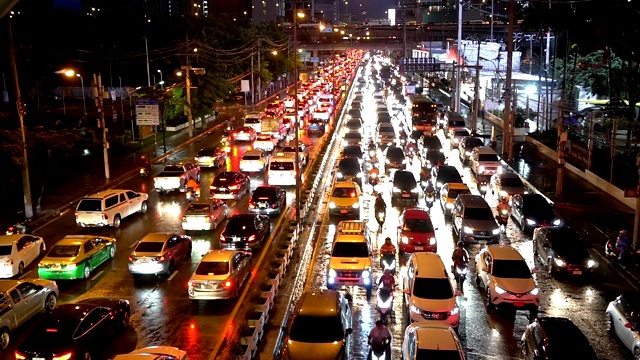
(387, 240)
(460, 244)
(623, 233)
(387, 272)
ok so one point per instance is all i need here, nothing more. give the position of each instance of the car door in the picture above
(135, 201)
(443, 195)
(124, 203)
(535, 343)
(20, 308)
(484, 268)
(174, 250)
(30, 300)
(32, 245)
(543, 245)
(516, 208)
(91, 254)
(624, 317)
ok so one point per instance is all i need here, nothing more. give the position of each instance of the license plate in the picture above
(577, 272)
(518, 304)
(222, 189)
(344, 211)
(406, 195)
(56, 267)
(262, 206)
(236, 239)
(38, 358)
(418, 248)
(143, 260)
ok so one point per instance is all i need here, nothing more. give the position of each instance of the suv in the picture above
(548, 337)
(110, 207)
(472, 220)
(322, 309)
(485, 161)
(444, 174)
(405, 188)
(506, 277)
(428, 292)
(345, 199)
(394, 159)
(349, 169)
(350, 262)
(431, 341)
(467, 144)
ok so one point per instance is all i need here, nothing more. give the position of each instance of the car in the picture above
(204, 214)
(506, 184)
(289, 102)
(253, 161)
(562, 251)
(350, 257)
(353, 124)
(175, 177)
(506, 278)
(76, 256)
(230, 185)
(472, 220)
(555, 338)
(352, 151)
(265, 142)
(289, 118)
(17, 251)
(159, 253)
(485, 161)
(282, 171)
(213, 156)
(245, 232)
(430, 340)
(350, 169)
(445, 174)
(394, 159)
(416, 232)
(76, 331)
(467, 144)
(429, 143)
(303, 109)
(532, 210)
(254, 120)
(244, 133)
(434, 158)
(220, 275)
(386, 135)
(316, 126)
(20, 300)
(456, 137)
(268, 200)
(453, 121)
(108, 208)
(321, 113)
(621, 320)
(405, 188)
(303, 152)
(344, 199)
(154, 353)
(322, 309)
(428, 294)
(352, 138)
(448, 194)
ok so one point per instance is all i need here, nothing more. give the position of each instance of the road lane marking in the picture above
(25, 274)
(97, 275)
(173, 275)
(138, 313)
(134, 244)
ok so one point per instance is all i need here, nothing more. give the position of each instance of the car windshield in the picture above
(537, 205)
(198, 208)
(353, 135)
(289, 149)
(395, 153)
(353, 151)
(453, 193)
(305, 329)
(90, 205)
(481, 213)
(282, 165)
(488, 157)
(263, 138)
(207, 152)
(472, 142)
(353, 124)
(404, 180)
(350, 249)
(418, 225)
(251, 157)
(432, 142)
(460, 133)
(435, 156)
(5, 250)
(456, 123)
(432, 288)
(386, 129)
(427, 354)
(223, 179)
(263, 193)
(173, 168)
(512, 182)
(510, 269)
(349, 164)
(213, 268)
(64, 251)
(149, 246)
(251, 121)
(345, 193)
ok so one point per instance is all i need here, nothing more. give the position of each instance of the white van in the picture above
(254, 120)
(282, 171)
(108, 208)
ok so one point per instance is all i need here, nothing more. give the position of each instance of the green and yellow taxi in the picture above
(345, 199)
(76, 256)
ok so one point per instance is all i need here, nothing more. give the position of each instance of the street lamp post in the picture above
(161, 81)
(297, 121)
(67, 72)
(84, 103)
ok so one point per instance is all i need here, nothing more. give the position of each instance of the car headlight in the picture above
(499, 290)
(454, 311)
(559, 262)
(439, 184)
(386, 161)
(591, 263)
(534, 292)
(468, 153)
(339, 174)
(332, 273)
(70, 266)
(557, 222)
(467, 230)
(405, 240)
(432, 241)
(332, 205)
(414, 309)
(359, 175)
(495, 231)
(415, 190)
(366, 274)
(395, 189)
(355, 205)
(530, 222)
(449, 206)
(503, 193)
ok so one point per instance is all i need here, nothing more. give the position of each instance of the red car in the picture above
(416, 232)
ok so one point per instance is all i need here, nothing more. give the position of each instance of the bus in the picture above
(424, 114)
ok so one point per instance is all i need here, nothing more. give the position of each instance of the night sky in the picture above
(68, 4)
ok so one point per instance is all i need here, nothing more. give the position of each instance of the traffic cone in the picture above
(494, 140)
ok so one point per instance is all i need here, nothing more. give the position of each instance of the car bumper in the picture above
(242, 138)
(480, 239)
(77, 273)
(208, 294)
(227, 196)
(282, 182)
(402, 197)
(194, 226)
(348, 211)
(333, 282)
(411, 248)
(239, 245)
(208, 163)
(252, 168)
(167, 188)
(453, 320)
(93, 224)
(524, 302)
(574, 271)
(7, 272)
(388, 167)
(265, 211)
(150, 268)
(264, 147)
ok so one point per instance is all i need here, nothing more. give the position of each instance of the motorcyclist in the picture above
(503, 206)
(380, 205)
(380, 334)
(387, 248)
(429, 189)
(460, 256)
(193, 185)
(144, 163)
(411, 147)
(374, 172)
(622, 243)
(387, 281)
(228, 125)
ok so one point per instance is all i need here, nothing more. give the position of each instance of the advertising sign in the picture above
(147, 112)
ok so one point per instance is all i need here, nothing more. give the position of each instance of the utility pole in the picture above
(459, 69)
(187, 85)
(253, 87)
(259, 72)
(507, 130)
(98, 93)
(404, 26)
(296, 127)
(636, 220)
(146, 48)
(476, 94)
(26, 180)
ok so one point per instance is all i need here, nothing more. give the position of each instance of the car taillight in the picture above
(76, 215)
(212, 187)
(252, 238)
(159, 259)
(222, 238)
(131, 258)
(190, 283)
(105, 216)
(184, 218)
(234, 187)
(252, 206)
(196, 158)
(19, 356)
(210, 218)
(66, 356)
(8, 262)
(228, 284)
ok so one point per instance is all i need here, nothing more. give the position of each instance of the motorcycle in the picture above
(379, 350)
(430, 197)
(192, 194)
(374, 179)
(483, 186)
(384, 304)
(503, 219)
(18, 228)
(380, 216)
(145, 171)
(388, 262)
(630, 257)
(372, 153)
(461, 273)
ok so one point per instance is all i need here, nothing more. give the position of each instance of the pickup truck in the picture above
(20, 300)
(274, 126)
(175, 177)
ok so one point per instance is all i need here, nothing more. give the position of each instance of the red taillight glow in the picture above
(8, 262)
(105, 216)
(227, 284)
(222, 239)
(66, 356)
(252, 238)
(131, 258)
(252, 206)
(76, 215)
(234, 187)
(210, 218)
(184, 218)
(52, 330)
(19, 356)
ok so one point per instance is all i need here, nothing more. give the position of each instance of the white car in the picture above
(155, 353)
(506, 277)
(289, 102)
(429, 340)
(265, 142)
(110, 207)
(321, 114)
(621, 319)
(303, 152)
(290, 117)
(253, 161)
(17, 252)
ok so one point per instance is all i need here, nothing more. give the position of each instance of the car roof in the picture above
(473, 201)
(416, 213)
(429, 265)
(219, 255)
(10, 239)
(152, 352)
(76, 239)
(504, 252)
(319, 303)
(156, 237)
(434, 336)
(561, 331)
(345, 184)
(509, 175)
(203, 201)
(253, 152)
(8, 284)
(281, 158)
(104, 194)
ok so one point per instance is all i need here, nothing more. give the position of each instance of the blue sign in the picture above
(315, 59)
(146, 102)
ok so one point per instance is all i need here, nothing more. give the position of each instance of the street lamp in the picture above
(296, 128)
(68, 72)
(161, 81)
(84, 103)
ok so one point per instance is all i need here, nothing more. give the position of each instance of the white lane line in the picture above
(173, 275)
(25, 274)
(134, 244)
(97, 275)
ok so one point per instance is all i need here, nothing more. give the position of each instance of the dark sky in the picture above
(68, 4)
(375, 9)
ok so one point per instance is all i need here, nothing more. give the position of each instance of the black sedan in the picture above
(230, 185)
(429, 143)
(532, 210)
(245, 232)
(76, 331)
(354, 151)
(434, 158)
(268, 200)
(562, 251)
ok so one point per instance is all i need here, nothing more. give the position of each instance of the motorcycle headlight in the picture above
(495, 231)
(332, 273)
(557, 222)
(405, 240)
(503, 193)
(559, 262)
(339, 175)
(395, 189)
(530, 222)
(591, 263)
(439, 184)
(355, 205)
(534, 292)
(386, 161)
(467, 230)
(332, 205)
(468, 153)
(432, 241)
(449, 206)
(415, 190)
(359, 175)
(462, 270)
(366, 274)
(499, 290)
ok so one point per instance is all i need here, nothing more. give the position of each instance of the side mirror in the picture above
(458, 292)
(349, 331)
(406, 291)
(285, 330)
